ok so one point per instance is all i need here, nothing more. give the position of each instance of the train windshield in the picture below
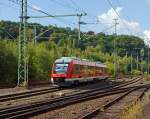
(60, 68)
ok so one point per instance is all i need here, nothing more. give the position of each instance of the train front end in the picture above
(59, 72)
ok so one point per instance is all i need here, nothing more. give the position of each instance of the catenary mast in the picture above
(22, 57)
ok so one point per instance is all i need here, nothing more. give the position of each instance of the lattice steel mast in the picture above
(22, 57)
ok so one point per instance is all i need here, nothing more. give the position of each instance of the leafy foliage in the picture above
(57, 42)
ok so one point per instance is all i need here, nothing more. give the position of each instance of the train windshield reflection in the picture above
(60, 68)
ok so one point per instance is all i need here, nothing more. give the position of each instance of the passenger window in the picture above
(72, 70)
(77, 69)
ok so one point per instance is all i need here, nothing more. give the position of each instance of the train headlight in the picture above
(52, 80)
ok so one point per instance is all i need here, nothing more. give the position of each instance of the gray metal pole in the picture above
(79, 23)
(115, 51)
(126, 63)
(142, 55)
(114, 58)
(79, 35)
(148, 56)
(148, 61)
(141, 65)
(35, 40)
(137, 65)
(131, 63)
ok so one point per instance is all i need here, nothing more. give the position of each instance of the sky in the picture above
(133, 15)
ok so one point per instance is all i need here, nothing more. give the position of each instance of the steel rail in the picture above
(27, 94)
(48, 90)
(106, 106)
(101, 88)
(33, 109)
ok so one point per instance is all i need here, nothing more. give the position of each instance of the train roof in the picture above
(76, 60)
(66, 59)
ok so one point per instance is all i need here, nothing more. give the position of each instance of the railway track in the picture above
(53, 89)
(98, 112)
(27, 94)
(47, 105)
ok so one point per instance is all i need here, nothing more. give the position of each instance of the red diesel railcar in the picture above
(69, 70)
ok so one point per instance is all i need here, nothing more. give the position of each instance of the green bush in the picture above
(136, 72)
(8, 62)
(147, 77)
(42, 55)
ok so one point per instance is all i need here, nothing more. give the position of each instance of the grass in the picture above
(134, 111)
(147, 77)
